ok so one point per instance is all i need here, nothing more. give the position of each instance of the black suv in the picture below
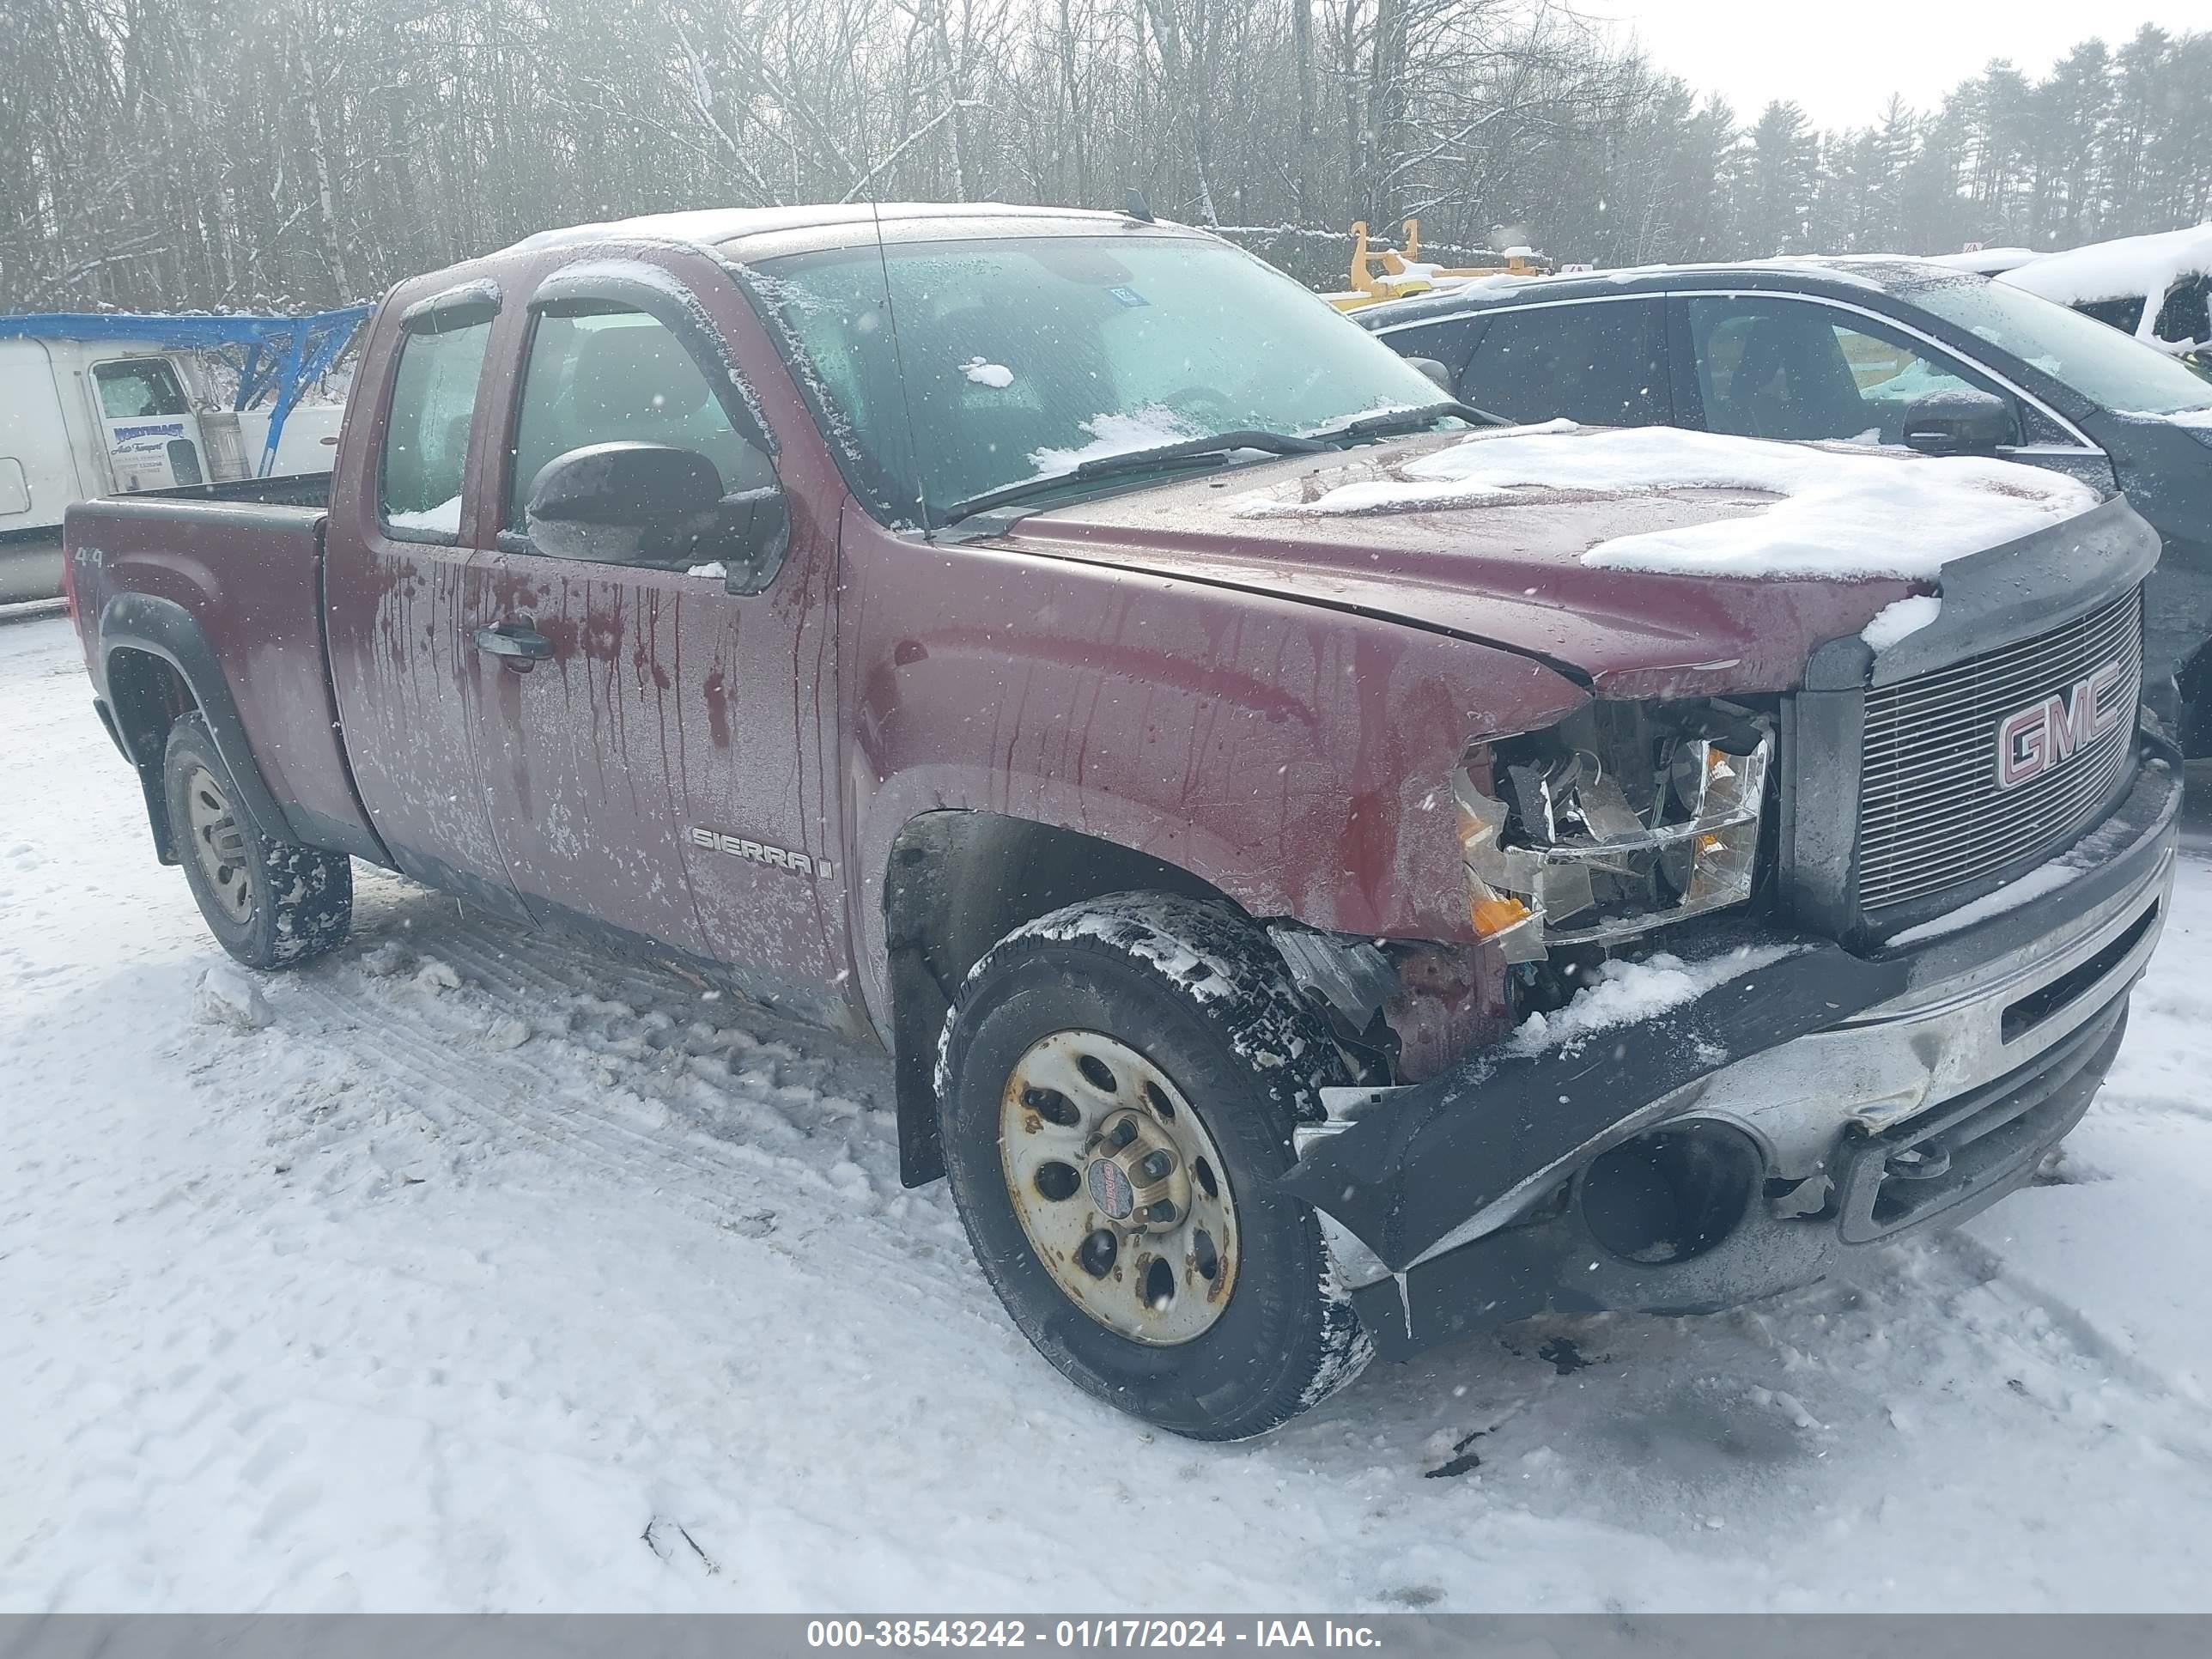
(1842, 349)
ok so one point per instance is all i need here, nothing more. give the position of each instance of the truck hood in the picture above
(1508, 573)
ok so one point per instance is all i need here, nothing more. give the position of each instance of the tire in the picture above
(1186, 1010)
(270, 903)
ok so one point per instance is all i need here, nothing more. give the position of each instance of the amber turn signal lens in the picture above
(1492, 916)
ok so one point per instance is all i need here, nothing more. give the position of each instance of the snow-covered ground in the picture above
(486, 1275)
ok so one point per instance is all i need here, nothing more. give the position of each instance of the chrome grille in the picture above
(1930, 813)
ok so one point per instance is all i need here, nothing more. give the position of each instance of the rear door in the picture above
(1600, 362)
(655, 765)
(397, 591)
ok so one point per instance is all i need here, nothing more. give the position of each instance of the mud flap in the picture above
(1428, 1158)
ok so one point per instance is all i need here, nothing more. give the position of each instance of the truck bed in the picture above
(223, 584)
(292, 490)
(31, 560)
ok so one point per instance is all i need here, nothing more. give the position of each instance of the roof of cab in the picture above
(754, 232)
(1837, 274)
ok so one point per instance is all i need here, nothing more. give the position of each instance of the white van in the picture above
(86, 417)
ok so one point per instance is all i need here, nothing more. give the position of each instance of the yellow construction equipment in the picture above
(1403, 273)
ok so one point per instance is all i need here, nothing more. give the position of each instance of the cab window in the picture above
(1598, 363)
(138, 387)
(1788, 369)
(600, 373)
(426, 441)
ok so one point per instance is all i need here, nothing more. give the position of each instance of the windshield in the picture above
(1024, 357)
(2103, 365)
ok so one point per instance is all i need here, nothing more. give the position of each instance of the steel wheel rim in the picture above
(219, 843)
(1084, 1123)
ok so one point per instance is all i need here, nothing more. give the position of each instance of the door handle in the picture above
(516, 644)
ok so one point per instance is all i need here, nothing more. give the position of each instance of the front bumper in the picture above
(1881, 1094)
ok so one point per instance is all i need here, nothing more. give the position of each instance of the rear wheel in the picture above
(270, 903)
(1118, 1084)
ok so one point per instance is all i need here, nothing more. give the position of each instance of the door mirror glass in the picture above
(635, 503)
(1957, 421)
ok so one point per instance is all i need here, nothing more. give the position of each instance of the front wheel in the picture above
(270, 903)
(1117, 1087)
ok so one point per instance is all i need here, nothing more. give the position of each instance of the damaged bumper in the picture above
(1745, 1142)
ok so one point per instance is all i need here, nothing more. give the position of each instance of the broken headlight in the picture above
(1624, 818)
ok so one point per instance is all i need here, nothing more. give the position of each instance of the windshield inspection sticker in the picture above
(1128, 296)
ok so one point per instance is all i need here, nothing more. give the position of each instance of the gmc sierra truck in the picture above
(1301, 931)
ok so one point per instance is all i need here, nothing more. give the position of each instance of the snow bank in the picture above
(2122, 270)
(1841, 514)
(1630, 991)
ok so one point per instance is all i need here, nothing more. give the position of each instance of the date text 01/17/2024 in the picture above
(1085, 1634)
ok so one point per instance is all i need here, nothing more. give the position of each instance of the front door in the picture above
(1775, 368)
(147, 424)
(652, 746)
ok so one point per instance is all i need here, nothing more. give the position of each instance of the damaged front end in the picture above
(1717, 1121)
(1624, 819)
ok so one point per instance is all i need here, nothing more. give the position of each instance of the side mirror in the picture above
(650, 504)
(1957, 422)
(756, 534)
(1440, 372)
(623, 504)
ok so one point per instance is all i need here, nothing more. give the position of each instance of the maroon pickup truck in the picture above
(852, 607)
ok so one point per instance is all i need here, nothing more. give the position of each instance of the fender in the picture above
(165, 629)
(1295, 759)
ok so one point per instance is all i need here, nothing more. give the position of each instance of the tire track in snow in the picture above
(761, 1145)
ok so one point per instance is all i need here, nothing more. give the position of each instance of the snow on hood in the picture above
(2199, 419)
(2130, 267)
(1842, 513)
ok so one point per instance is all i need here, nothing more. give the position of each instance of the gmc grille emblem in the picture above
(2042, 736)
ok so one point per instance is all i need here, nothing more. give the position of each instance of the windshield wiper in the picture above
(1136, 461)
(1410, 420)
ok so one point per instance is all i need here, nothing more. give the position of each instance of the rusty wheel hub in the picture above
(1119, 1186)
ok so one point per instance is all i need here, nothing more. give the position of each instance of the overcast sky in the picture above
(1842, 63)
